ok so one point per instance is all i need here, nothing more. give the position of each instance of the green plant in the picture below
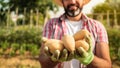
(119, 53)
(5, 45)
(20, 40)
(114, 42)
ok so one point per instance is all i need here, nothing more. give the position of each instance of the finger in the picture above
(71, 56)
(89, 40)
(82, 52)
(46, 50)
(55, 56)
(64, 55)
(90, 44)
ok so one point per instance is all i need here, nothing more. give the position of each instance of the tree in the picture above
(108, 5)
(114, 4)
(42, 5)
(102, 8)
(3, 8)
(3, 4)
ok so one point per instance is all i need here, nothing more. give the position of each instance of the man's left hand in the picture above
(85, 57)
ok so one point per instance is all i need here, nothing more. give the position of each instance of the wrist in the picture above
(86, 60)
(46, 62)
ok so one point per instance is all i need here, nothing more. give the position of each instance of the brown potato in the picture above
(53, 44)
(82, 43)
(81, 34)
(69, 42)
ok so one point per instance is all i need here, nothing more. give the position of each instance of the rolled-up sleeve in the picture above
(102, 33)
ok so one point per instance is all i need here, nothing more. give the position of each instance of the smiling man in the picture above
(72, 21)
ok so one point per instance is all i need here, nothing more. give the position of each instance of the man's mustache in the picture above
(72, 5)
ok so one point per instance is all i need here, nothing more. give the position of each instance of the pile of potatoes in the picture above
(71, 43)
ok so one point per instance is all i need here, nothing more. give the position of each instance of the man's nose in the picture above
(73, 1)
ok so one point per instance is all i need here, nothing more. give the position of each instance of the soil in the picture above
(19, 62)
(30, 62)
(116, 64)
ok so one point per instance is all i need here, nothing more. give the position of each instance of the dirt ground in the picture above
(19, 62)
(116, 64)
(30, 62)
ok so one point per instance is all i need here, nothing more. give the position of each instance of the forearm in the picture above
(99, 63)
(46, 62)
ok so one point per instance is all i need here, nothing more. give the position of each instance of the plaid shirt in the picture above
(56, 28)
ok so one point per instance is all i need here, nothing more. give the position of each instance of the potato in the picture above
(53, 44)
(44, 39)
(82, 43)
(81, 34)
(69, 42)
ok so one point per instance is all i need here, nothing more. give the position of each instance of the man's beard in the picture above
(72, 13)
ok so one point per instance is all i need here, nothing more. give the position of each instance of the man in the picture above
(70, 22)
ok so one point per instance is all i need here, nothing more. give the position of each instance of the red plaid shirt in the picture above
(56, 28)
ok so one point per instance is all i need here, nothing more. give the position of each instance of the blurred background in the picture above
(22, 21)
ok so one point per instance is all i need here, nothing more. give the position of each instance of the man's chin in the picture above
(73, 13)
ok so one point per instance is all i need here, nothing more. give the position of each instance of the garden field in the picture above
(20, 47)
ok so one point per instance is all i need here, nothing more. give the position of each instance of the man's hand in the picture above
(58, 56)
(45, 61)
(85, 57)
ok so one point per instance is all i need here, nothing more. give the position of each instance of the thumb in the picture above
(64, 55)
(55, 56)
(82, 52)
(47, 51)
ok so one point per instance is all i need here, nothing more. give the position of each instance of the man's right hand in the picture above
(46, 62)
(57, 55)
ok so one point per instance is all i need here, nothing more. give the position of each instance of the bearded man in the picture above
(70, 22)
